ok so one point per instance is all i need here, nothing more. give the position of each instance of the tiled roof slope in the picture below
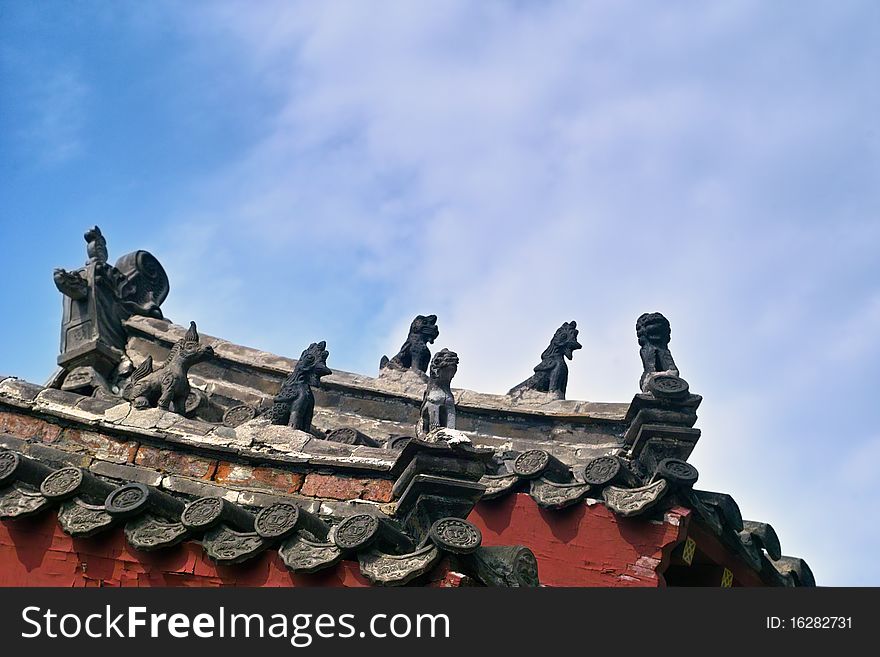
(255, 466)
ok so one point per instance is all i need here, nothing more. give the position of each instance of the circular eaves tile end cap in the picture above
(356, 531)
(531, 463)
(62, 483)
(8, 465)
(678, 472)
(668, 386)
(277, 520)
(202, 514)
(456, 535)
(127, 500)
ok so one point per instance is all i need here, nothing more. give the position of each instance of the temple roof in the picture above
(147, 423)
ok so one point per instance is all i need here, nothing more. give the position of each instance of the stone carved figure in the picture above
(168, 387)
(438, 404)
(98, 298)
(654, 332)
(294, 405)
(414, 354)
(551, 374)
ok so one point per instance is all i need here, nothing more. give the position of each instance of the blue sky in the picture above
(312, 171)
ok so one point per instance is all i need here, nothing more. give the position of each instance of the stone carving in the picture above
(667, 386)
(168, 387)
(8, 464)
(277, 521)
(295, 403)
(602, 470)
(351, 436)
(397, 570)
(18, 467)
(202, 513)
(239, 415)
(654, 332)
(126, 499)
(551, 374)
(18, 502)
(81, 520)
(227, 546)
(531, 463)
(455, 535)
(498, 485)
(552, 495)
(302, 555)
(135, 498)
(414, 354)
(62, 483)
(633, 501)
(438, 403)
(67, 482)
(505, 565)
(356, 531)
(98, 298)
(147, 532)
(678, 472)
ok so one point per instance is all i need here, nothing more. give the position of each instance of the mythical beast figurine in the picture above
(414, 354)
(551, 374)
(654, 333)
(168, 387)
(438, 403)
(295, 403)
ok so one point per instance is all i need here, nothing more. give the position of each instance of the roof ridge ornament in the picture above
(654, 332)
(551, 374)
(414, 354)
(438, 403)
(98, 298)
(294, 405)
(168, 387)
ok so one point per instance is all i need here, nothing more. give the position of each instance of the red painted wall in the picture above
(583, 545)
(580, 546)
(35, 552)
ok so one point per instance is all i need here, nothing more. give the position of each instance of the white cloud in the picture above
(514, 166)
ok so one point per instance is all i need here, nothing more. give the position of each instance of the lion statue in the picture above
(414, 354)
(654, 333)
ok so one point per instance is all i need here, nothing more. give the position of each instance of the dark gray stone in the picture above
(438, 404)
(98, 298)
(208, 512)
(133, 499)
(148, 533)
(303, 555)
(414, 354)
(397, 569)
(227, 546)
(295, 403)
(551, 374)
(505, 565)
(653, 332)
(21, 502)
(81, 519)
(15, 467)
(168, 388)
